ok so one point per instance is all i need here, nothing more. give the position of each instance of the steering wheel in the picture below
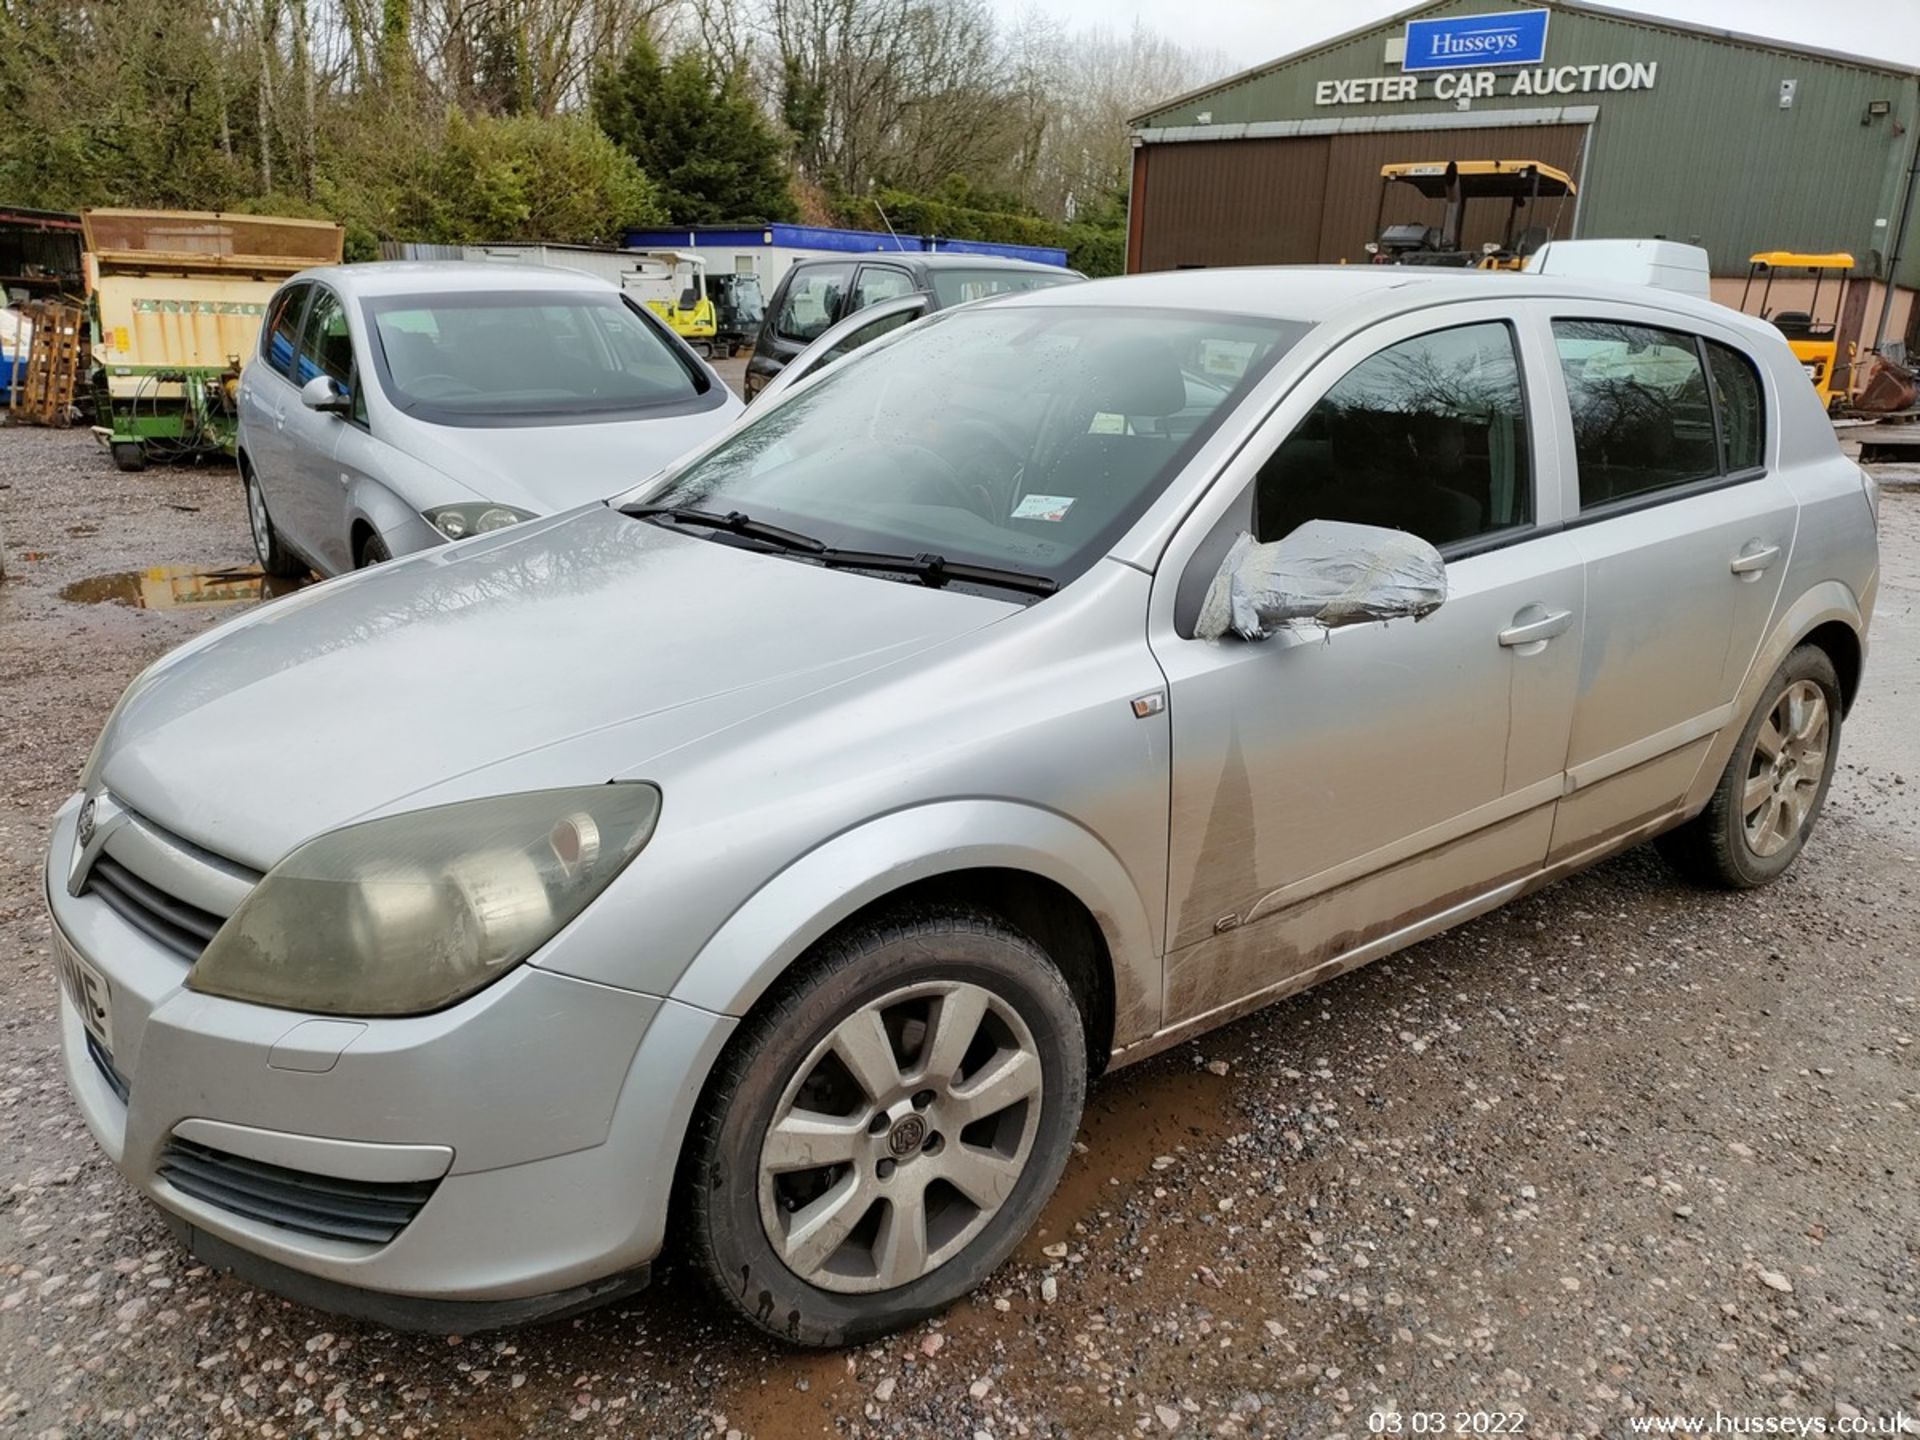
(993, 461)
(949, 478)
(450, 385)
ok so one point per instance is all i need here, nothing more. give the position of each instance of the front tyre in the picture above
(886, 1127)
(373, 551)
(1775, 783)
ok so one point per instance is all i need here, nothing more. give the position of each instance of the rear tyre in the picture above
(275, 558)
(1774, 785)
(129, 455)
(885, 1127)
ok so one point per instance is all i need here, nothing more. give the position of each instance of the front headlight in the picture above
(411, 913)
(456, 522)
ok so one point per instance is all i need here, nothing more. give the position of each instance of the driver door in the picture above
(840, 340)
(1337, 794)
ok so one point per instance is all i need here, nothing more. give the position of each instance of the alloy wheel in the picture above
(1784, 772)
(900, 1137)
(257, 518)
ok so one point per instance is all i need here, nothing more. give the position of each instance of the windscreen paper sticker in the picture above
(1043, 507)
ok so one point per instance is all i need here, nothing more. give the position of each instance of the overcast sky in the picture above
(1251, 32)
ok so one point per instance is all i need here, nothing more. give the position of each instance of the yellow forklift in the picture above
(1523, 184)
(673, 284)
(1812, 334)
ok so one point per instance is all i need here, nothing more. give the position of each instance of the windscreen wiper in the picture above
(928, 569)
(937, 570)
(734, 522)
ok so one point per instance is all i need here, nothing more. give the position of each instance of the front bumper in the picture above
(546, 1111)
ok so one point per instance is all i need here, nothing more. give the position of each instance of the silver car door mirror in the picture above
(1326, 573)
(323, 393)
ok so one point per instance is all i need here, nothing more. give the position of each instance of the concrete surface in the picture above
(1622, 1149)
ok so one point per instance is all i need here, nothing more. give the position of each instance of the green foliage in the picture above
(697, 133)
(515, 177)
(456, 123)
(146, 132)
(1095, 249)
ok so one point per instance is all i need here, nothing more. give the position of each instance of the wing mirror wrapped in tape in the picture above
(1327, 573)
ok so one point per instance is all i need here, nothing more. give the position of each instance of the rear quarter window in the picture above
(1743, 416)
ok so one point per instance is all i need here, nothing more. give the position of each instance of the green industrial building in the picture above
(1732, 142)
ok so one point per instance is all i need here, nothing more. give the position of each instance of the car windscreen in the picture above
(1025, 437)
(506, 357)
(957, 287)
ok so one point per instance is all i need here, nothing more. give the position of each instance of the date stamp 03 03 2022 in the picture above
(1392, 1420)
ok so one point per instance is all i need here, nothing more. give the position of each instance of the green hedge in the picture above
(1092, 249)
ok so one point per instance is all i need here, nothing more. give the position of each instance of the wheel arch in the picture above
(1829, 615)
(358, 533)
(1038, 871)
(1843, 647)
(374, 509)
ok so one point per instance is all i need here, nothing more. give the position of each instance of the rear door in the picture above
(266, 390)
(1685, 531)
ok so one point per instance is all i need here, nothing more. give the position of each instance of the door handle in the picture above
(1753, 558)
(1535, 625)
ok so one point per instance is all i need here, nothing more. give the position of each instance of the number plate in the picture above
(87, 988)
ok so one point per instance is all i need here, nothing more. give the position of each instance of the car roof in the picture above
(937, 260)
(1313, 294)
(422, 277)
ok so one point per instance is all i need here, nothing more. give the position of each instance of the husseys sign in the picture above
(1454, 59)
(1518, 37)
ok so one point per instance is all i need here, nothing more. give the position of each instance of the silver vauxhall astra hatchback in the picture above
(767, 858)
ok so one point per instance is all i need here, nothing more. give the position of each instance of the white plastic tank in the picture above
(1663, 264)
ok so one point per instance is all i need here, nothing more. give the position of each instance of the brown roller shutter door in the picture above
(1234, 202)
(1314, 198)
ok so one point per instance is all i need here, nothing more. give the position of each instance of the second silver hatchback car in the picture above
(780, 849)
(395, 407)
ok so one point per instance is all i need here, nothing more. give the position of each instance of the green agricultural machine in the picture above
(177, 299)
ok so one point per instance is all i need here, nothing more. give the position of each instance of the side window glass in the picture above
(811, 301)
(325, 346)
(278, 336)
(1743, 416)
(1428, 436)
(1641, 418)
(866, 334)
(880, 282)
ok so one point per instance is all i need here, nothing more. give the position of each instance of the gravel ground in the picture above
(1620, 1149)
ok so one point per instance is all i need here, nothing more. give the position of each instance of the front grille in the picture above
(184, 929)
(365, 1210)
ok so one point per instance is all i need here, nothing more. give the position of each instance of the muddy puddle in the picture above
(180, 587)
